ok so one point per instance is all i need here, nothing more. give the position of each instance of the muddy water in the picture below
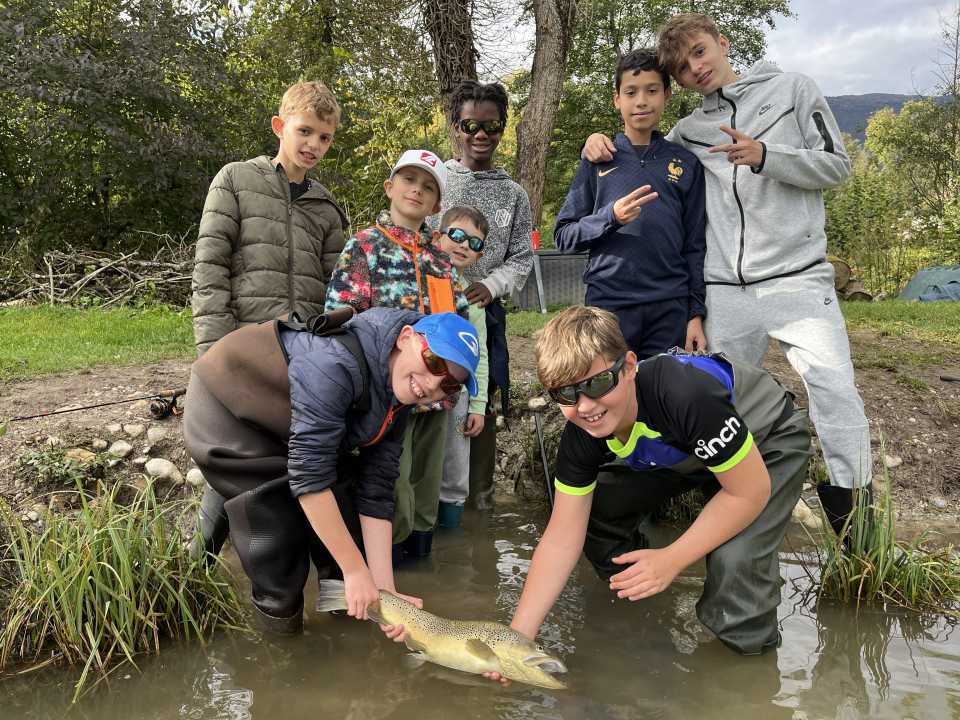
(648, 660)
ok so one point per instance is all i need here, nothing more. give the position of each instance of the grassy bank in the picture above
(41, 340)
(928, 323)
(96, 590)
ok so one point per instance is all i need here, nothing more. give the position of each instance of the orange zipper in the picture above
(387, 421)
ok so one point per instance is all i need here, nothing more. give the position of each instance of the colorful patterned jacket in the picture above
(390, 266)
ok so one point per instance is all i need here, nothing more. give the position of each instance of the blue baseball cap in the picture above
(453, 338)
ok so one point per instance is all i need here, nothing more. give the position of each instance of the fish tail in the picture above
(332, 596)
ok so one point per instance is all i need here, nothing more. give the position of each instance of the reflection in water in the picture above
(651, 660)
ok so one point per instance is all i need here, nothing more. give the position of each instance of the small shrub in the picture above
(98, 589)
(50, 467)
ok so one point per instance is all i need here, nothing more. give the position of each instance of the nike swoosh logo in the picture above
(601, 173)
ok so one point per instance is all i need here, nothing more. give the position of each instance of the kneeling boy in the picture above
(640, 433)
(301, 431)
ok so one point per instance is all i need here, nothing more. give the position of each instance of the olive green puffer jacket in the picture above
(259, 255)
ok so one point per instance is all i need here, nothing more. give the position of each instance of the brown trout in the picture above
(470, 646)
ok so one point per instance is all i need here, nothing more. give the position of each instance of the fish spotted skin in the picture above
(470, 646)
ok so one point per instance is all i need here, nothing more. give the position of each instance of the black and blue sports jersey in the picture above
(685, 407)
(657, 256)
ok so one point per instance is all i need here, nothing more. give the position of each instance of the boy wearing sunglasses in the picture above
(478, 117)
(462, 236)
(641, 219)
(302, 434)
(395, 263)
(640, 433)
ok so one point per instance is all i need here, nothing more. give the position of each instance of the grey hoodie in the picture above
(767, 222)
(507, 255)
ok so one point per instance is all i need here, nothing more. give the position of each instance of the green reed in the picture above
(873, 565)
(95, 590)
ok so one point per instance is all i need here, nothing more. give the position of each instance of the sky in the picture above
(849, 47)
(852, 47)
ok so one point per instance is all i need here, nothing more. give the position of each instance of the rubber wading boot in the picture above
(212, 525)
(449, 514)
(419, 543)
(292, 625)
(483, 454)
(837, 503)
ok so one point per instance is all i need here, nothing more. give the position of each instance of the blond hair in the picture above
(310, 96)
(675, 37)
(572, 340)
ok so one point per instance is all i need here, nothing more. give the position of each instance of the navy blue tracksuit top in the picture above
(659, 255)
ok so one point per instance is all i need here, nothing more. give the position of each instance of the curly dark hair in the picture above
(472, 91)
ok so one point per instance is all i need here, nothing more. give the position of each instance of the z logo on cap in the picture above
(429, 158)
(471, 342)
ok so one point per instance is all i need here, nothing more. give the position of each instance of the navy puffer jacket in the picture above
(325, 381)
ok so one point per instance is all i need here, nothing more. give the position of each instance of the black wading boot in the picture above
(838, 503)
(212, 525)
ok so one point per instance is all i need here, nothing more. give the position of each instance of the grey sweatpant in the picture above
(802, 313)
(456, 463)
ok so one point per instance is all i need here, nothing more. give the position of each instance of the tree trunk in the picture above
(554, 27)
(450, 26)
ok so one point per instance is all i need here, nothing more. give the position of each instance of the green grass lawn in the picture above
(41, 340)
(926, 322)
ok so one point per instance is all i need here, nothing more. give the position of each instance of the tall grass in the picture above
(98, 589)
(873, 565)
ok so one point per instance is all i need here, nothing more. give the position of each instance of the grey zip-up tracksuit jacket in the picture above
(767, 222)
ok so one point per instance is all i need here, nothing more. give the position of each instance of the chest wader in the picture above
(236, 428)
(741, 591)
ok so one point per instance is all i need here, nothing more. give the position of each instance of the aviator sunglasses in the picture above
(490, 127)
(594, 387)
(460, 236)
(438, 366)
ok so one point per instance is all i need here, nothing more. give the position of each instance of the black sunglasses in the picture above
(594, 387)
(490, 127)
(460, 236)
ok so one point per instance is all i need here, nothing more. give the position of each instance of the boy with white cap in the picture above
(394, 263)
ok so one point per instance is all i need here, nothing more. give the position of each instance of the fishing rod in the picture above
(164, 403)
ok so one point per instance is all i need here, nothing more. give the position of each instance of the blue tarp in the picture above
(934, 283)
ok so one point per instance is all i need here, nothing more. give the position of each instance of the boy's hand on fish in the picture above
(409, 598)
(397, 633)
(650, 572)
(498, 677)
(360, 591)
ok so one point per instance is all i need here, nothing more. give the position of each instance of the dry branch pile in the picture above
(67, 276)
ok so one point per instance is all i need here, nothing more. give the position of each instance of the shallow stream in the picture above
(647, 660)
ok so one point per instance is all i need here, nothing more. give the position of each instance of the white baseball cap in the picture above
(425, 160)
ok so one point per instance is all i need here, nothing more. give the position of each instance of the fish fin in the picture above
(332, 596)
(411, 661)
(373, 612)
(481, 650)
(413, 645)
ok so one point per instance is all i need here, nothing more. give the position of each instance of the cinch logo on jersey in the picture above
(707, 449)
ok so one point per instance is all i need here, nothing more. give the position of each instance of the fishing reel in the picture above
(165, 405)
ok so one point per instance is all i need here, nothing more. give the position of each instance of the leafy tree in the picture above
(107, 127)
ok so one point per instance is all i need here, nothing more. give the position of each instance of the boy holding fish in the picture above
(640, 433)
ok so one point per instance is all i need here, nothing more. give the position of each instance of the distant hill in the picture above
(853, 111)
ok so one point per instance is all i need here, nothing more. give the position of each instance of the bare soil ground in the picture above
(916, 413)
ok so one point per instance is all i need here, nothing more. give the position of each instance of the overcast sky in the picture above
(861, 46)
